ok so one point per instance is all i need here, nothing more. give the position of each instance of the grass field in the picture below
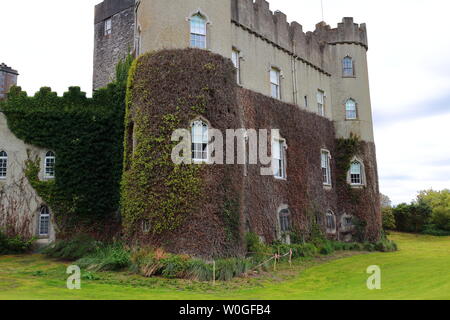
(419, 270)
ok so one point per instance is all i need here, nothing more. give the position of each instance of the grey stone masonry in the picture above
(110, 48)
(8, 78)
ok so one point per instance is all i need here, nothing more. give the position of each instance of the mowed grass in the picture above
(419, 270)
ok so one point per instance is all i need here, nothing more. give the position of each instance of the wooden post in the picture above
(214, 272)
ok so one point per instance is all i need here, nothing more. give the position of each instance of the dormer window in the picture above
(198, 31)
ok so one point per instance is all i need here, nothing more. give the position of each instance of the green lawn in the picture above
(419, 270)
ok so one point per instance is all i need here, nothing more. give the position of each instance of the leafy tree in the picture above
(388, 218)
(412, 217)
(439, 201)
(385, 202)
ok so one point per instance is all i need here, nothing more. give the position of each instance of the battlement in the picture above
(108, 8)
(256, 17)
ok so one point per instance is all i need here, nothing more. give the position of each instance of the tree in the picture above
(412, 217)
(388, 218)
(385, 202)
(439, 201)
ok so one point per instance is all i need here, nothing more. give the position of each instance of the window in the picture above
(237, 64)
(356, 173)
(50, 160)
(146, 226)
(326, 169)
(331, 222)
(350, 110)
(198, 31)
(347, 65)
(321, 102)
(306, 101)
(275, 83)
(3, 165)
(285, 220)
(278, 159)
(199, 141)
(108, 27)
(348, 221)
(44, 221)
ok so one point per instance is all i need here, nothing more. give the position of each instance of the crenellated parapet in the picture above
(256, 17)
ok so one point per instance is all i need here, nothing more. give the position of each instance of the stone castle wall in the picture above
(109, 49)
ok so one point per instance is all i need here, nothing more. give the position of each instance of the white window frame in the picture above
(275, 83)
(3, 165)
(351, 110)
(321, 102)
(348, 70)
(49, 165)
(236, 58)
(198, 25)
(44, 213)
(279, 160)
(108, 27)
(325, 164)
(360, 174)
(200, 145)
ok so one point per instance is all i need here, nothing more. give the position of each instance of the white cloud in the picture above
(51, 42)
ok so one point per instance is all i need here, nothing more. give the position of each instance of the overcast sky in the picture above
(50, 42)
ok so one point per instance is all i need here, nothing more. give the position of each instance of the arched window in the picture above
(199, 141)
(331, 222)
(356, 173)
(347, 67)
(44, 221)
(350, 110)
(285, 220)
(3, 165)
(50, 161)
(198, 31)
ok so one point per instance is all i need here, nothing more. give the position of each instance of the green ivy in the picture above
(86, 135)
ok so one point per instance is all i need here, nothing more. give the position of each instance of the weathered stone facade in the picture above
(110, 48)
(8, 78)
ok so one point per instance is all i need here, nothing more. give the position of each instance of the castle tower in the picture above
(350, 93)
(174, 32)
(114, 38)
(8, 78)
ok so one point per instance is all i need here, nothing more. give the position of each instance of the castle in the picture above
(230, 64)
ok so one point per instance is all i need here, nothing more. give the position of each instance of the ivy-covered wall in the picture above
(191, 209)
(85, 134)
(205, 209)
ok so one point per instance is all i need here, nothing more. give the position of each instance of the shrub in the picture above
(72, 249)
(326, 248)
(388, 218)
(108, 258)
(433, 230)
(15, 245)
(385, 245)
